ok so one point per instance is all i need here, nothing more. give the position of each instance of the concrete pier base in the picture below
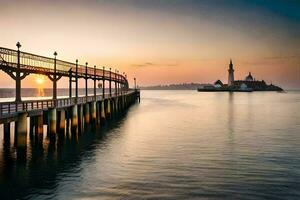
(108, 109)
(103, 117)
(86, 112)
(38, 129)
(61, 122)
(21, 129)
(112, 103)
(116, 106)
(31, 126)
(6, 130)
(21, 136)
(93, 112)
(52, 118)
(98, 113)
(74, 120)
(80, 119)
(68, 117)
(38, 125)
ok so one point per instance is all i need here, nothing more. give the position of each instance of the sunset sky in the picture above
(161, 41)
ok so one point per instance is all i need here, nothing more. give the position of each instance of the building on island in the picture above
(249, 84)
(218, 84)
(230, 74)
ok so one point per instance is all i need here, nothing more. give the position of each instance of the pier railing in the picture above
(9, 109)
(43, 65)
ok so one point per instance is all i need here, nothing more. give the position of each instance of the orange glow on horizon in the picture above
(40, 80)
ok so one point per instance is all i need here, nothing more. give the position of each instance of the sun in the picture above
(39, 80)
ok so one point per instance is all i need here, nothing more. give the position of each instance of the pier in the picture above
(72, 115)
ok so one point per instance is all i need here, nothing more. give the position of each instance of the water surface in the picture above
(173, 145)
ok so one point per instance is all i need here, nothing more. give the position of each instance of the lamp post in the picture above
(118, 83)
(126, 86)
(123, 86)
(134, 83)
(76, 85)
(54, 78)
(103, 84)
(124, 81)
(110, 82)
(95, 82)
(116, 91)
(86, 80)
(18, 78)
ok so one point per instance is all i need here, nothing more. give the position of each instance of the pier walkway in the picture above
(61, 115)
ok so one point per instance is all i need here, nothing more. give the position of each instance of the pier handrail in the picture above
(8, 109)
(44, 65)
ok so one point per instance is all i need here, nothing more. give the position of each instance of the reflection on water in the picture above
(25, 172)
(173, 145)
(40, 92)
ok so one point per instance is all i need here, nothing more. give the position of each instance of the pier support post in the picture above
(74, 120)
(54, 80)
(6, 130)
(31, 126)
(18, 77)
(21, 135)
(116, 106)
(21, 129)
(38, 132)
(112, 109)
(38, 125)
(86, 115)
(52, 123)
(93, 112)
(68, 117)
(61, 122)
(98, 113)
(108, 109)
(80, 119)
(103, 112)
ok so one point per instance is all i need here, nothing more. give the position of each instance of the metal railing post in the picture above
(18, 78)
(86, 80)
(95, 82)
(54, 78)
(103, 85)
(109, 82)
(76, 86)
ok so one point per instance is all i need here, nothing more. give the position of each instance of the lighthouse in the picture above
(230, 74)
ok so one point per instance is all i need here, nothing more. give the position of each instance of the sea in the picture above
(172, 145)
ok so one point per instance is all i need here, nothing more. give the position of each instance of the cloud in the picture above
(146, 64)
(151, 64)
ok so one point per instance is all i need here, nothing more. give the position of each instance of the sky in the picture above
(160, 41)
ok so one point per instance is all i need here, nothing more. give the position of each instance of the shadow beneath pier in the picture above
(30, 170)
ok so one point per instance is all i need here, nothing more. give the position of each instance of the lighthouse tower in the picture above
(230, 74)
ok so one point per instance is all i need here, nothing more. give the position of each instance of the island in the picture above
(249, 84)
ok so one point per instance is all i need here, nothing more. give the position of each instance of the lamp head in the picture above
(18, 45)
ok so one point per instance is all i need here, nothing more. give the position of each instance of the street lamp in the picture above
(18, 45)
(103, 83)
(110, 81)
(86, 81)
(18, 79)
(134, 83)
(54, 79)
